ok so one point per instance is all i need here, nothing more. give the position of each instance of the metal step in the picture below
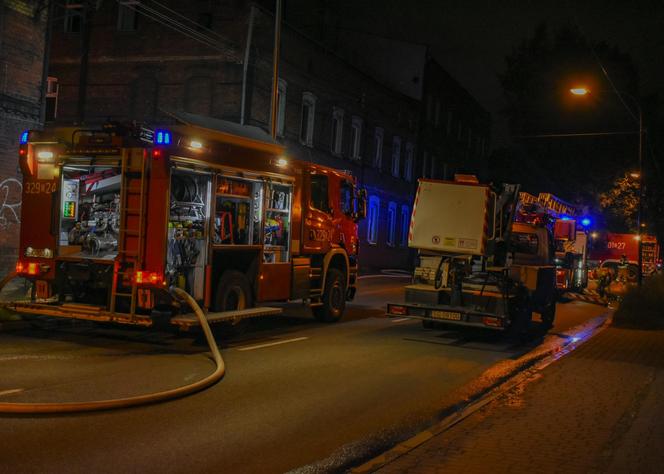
(188, 320)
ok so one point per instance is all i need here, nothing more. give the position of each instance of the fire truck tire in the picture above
(548, 316)
(521, 315)
(334, 297)
(233, 292)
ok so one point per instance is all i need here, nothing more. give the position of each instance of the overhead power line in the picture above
(168, 19)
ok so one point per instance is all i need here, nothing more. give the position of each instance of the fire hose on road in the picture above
(74, 407)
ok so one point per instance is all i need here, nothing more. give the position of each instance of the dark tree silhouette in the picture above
(539, 73)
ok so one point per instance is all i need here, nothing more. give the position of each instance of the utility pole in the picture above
(86, 29)
(275, 71)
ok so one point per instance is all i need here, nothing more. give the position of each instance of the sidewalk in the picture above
(599, 409)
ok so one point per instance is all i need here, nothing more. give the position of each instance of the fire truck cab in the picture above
(115, 216)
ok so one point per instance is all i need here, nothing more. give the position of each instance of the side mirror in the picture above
(360, 204)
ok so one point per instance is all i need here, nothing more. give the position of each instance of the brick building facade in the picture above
(22, 30)
(330, 112)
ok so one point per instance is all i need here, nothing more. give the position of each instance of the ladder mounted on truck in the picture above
(131, 239)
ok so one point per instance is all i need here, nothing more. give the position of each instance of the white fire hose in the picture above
(73, 407)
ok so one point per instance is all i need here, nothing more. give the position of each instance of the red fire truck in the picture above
(114, 216)
(608, 249)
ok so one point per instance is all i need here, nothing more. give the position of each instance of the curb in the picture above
(557, 347)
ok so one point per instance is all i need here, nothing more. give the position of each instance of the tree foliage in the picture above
(620, 204)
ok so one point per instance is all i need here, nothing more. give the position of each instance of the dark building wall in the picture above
(144, 73)
(456, 130)
(22, 27)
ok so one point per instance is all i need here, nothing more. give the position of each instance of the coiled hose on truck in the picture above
(76, 407)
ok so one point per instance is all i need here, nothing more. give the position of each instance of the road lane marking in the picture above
(270, 344)
(11, 391)
(399, 320)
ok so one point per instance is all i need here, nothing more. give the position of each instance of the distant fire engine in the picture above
(114, 216)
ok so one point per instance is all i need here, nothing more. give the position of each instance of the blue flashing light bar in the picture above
(566, 218)
(162, 137)
(24, 138)
(585, 222)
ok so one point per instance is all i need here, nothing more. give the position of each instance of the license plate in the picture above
(449, 315)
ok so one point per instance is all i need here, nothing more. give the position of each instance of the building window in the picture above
(337, 130)
(73, 16)
(372, 219)
(396, 156)
(51, 98)
(308, 114)
(405, 225)
(378, 148)
(408, 162)
(391, 223)
(281, 107)
(127, 16)
(355, 138)
(436, 115)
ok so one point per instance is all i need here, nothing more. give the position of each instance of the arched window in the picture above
(391, 224)
(372, 219)
(405, 225)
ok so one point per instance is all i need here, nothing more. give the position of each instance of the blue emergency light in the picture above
(565, 218)
(585, 222)
(24, 138)
(162, 137)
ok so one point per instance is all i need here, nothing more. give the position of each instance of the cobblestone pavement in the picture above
(599, 409)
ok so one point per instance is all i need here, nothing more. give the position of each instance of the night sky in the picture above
(471, 38)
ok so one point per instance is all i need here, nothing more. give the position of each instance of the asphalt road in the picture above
(296, 391)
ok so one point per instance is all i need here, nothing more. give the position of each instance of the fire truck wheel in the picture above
(334, 297)
(521, 315)
(548, 315)
(233, 292)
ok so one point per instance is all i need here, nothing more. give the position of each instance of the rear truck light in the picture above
(142, 277)
(493, 322)
(397, 310)
(31, 268)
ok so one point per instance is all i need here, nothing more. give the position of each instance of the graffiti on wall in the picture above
(10, 202)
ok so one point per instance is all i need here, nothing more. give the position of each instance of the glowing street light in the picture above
(635, 174)
(579, 91)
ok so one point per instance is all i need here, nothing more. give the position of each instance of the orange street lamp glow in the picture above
(579, 91)
(635, 174)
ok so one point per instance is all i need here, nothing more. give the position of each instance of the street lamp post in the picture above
(579, 91)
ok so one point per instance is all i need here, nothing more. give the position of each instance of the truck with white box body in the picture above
(477, 266)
